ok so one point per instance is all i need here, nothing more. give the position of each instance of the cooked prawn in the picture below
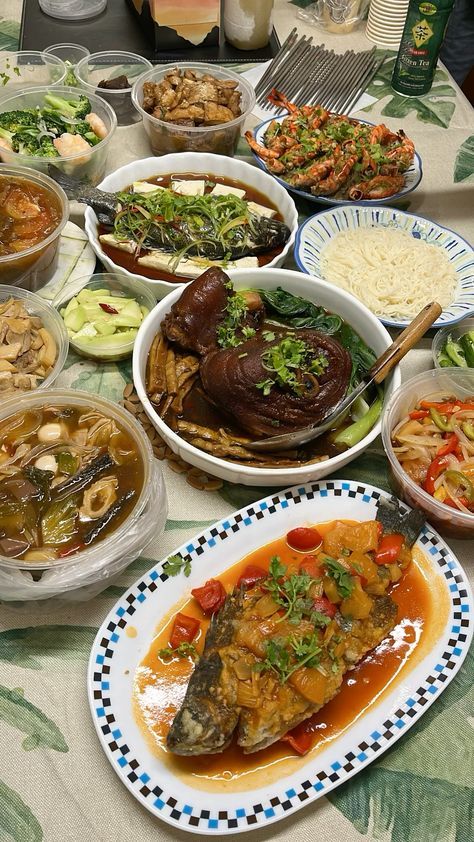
(378, 187)
(97, 125)
(70, 144)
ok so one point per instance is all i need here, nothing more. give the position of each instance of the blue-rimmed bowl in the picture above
(413, 174)
(316, 232)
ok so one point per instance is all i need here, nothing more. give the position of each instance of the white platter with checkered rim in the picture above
(115, 656)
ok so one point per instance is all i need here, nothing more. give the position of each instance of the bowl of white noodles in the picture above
(394, 262)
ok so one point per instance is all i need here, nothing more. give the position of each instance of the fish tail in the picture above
(99, 200)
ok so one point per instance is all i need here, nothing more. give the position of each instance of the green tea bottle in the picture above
(420, 45)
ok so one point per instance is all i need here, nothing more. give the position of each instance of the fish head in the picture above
(104, 204)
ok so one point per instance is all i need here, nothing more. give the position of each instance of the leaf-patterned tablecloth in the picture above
(55, 782)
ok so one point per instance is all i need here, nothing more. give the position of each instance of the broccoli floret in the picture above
(83, 128)
(51, 121)
(16, 120)
(47, 148)
(26, 142)
(77, 110)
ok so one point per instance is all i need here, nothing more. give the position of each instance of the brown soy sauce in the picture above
(129, 261)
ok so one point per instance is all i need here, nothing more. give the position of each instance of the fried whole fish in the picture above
(212, 227)
(264, 669)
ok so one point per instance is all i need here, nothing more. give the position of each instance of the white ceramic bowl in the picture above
(313, 289)
(316, 232)
(192, 162)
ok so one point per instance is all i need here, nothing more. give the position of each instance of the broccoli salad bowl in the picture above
(63, 126)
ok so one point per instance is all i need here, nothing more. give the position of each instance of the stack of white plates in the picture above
(386, 21)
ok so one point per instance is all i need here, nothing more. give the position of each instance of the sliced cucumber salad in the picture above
(102, 323)
(458, 352)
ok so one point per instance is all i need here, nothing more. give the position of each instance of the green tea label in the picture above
(427, 9)
(422, 33)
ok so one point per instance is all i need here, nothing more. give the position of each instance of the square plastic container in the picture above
(170, 138)
(109, 65)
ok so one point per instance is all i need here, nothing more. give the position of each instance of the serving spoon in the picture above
(377, 374)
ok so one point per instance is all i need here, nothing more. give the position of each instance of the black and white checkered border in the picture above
(168, 807)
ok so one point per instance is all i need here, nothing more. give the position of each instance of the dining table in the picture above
(56, 783)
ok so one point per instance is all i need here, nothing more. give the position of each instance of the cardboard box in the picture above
(179, 24)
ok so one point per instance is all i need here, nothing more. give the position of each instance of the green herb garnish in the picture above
(290, 593)
(286, 655)
(236, 311)
(175, 564)
(184, 650)
(341, 576)
(289, 361)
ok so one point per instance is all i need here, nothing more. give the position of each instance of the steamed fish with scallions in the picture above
(184, 224)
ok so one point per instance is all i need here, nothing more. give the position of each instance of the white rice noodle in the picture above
(391, 272)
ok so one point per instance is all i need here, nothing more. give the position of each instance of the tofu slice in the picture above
(189, 188)
(161, 260)
(145, 187)
(225, 190)
(261, 210)
(122, 245)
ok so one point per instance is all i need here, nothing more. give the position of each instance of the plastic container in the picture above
(117, 285)
(107, 65)
(248, 25)
(440, 338)
(29, 69)
(35, 266)
(85, 166)
(448, 381)
(52, 321)
(170, 138)
(73, 9)
(81, 576)
(71, 55)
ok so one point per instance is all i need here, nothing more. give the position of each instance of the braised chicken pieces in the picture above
(268, 378)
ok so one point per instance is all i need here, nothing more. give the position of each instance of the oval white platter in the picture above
(413, 174)
(115, 657)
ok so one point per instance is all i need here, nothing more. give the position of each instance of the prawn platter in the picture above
(379, 654)
(333, 158)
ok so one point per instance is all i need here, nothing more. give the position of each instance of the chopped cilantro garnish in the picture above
(341, 576)
(288, 361)
(175, 564)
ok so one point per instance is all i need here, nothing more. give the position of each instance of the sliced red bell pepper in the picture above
(300, 738)
(417, 414)
(449, 502)
(449, 445)
(389, 548)
(447, 407)
(211, 596)
(435, 469)
(184, 630)
(324, 606)
(311, 566)
(251, 575)
(304, 538)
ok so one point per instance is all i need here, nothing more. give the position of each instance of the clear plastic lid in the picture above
(72, 9)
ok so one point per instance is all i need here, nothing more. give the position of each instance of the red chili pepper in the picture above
(311, 566)
(108, 309)
(184, 630)
(304, 538)
(418, 413)
(300, 738)
(448, 407)
(389, 548)
(211, 596)
(449, 446)
(435, 469)
(251, 575)
(449, 502)
(325, 606)
(70, 549)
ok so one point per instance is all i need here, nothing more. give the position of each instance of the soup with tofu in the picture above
(69, 476)
(176, 226)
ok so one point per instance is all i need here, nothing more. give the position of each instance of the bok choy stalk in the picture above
(355, 432)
